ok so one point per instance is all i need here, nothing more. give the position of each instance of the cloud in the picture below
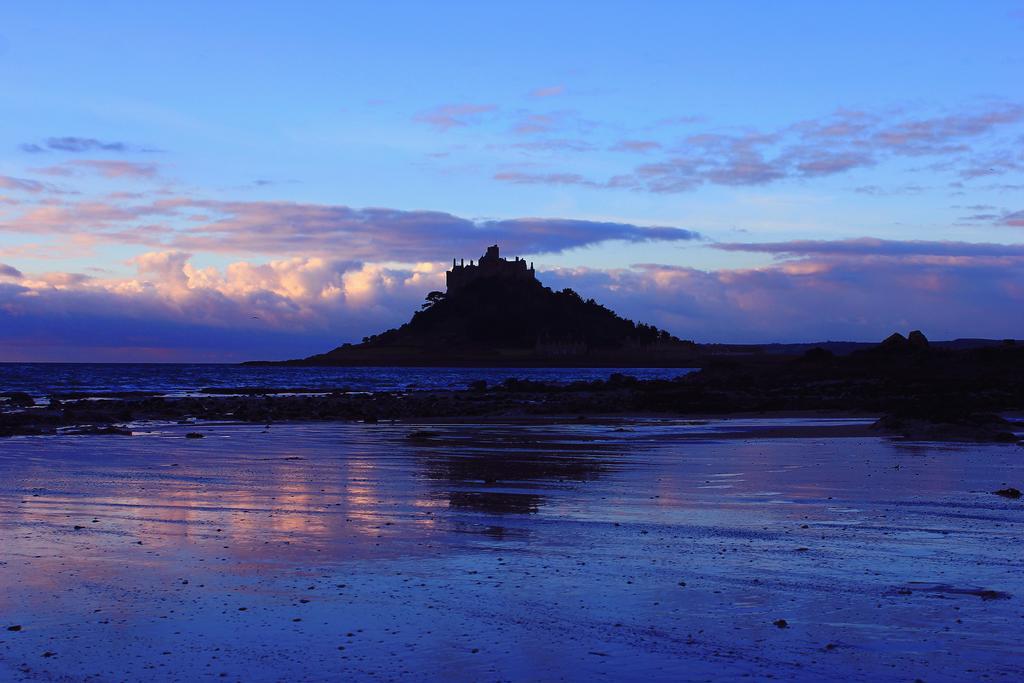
(639, 146)
(555, 145)
(850, 289)
(173, 310)
(836, 296)
(80, 144)
(116, 169)
(379, 234)
(1015, 219)
(21, 184)
(941, 134)
(550, 91)
(85, 217)
(842, 142)
(520, 178)
(447, 116)
(868, 246)
(370, 234)
(533, 123)
(107, 168)
(9, 271)
(998, 163)
(879, 191)
(536, 123)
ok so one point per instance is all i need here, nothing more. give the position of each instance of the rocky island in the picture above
(496, 313)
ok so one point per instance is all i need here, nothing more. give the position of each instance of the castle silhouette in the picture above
(491, 266)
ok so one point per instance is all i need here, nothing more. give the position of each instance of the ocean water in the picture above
(44, 379)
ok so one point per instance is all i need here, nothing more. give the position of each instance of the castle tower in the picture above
(491, 265)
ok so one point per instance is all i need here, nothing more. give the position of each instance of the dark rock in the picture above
(781, 623)
(18, 399)
(1008, 493)
(193, 435)
(817, 355)
(917, 340)
(894, 341)
(99, 430)
(944, 424)
(15, 628)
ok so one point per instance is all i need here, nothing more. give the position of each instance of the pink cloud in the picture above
(555, 145)
(852, 289)
(640, 146)
(839, 143)
(837, 296)
(21, 184)
(535, 123)
(447, 116)
(116, 169)
(550, 91)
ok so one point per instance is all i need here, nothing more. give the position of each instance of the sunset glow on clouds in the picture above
(319, 198)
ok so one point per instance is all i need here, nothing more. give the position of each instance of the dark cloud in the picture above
(378, 234)
(10, 271)
(78, 145)
(371, 234)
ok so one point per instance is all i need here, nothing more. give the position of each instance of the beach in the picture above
(549, 549)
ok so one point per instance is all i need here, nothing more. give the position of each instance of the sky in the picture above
(216, 182)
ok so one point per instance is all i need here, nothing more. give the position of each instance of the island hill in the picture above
(497, 313)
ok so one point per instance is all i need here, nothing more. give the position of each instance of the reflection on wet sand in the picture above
(491, 552)
(503, 471)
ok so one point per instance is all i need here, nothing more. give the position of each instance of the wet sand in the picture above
(636, 549)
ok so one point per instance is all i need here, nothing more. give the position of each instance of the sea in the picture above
(41, 380)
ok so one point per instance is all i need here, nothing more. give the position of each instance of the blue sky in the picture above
(132, 132)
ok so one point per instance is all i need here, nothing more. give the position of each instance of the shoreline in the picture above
(741, 426)
(612, 406)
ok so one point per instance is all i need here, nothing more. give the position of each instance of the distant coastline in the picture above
(700, 355)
